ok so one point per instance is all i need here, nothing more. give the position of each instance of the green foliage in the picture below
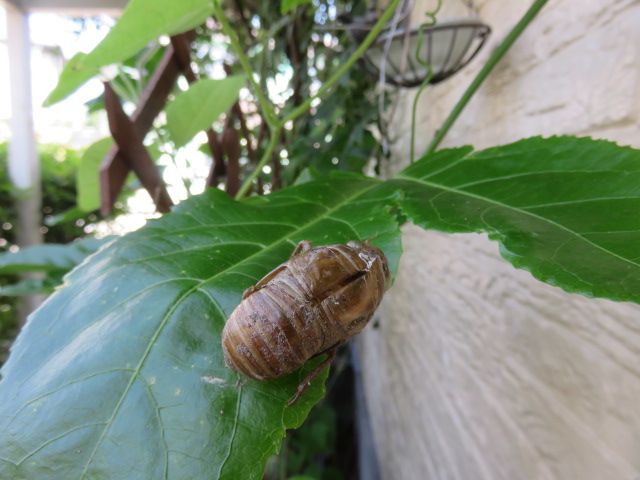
(59, 166)
(142, 22)
(30, 286)
(338, 131)
(563, 208)
(325, 446)
(8, 319)
(130, 377)
(293, 55)
(287, 5)
(197, 108)
(339, 137)
(88, 177)
(50, 257)
(75, 74)
(153, 395)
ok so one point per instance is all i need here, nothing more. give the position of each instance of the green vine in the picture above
(268, 112)
(482, 75)
(430, 22)
(274, 123)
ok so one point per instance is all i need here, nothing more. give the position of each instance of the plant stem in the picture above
(430, 22)
(495, 57)
(414, 112)
(266, 156)
(268, 112)
(369, 39)
(132, 92)
(277, 126)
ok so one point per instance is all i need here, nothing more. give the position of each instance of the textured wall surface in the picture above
(477, 370)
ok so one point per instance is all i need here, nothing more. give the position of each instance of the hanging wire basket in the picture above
(447, 48)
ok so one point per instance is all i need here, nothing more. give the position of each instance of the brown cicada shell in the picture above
(309, 305)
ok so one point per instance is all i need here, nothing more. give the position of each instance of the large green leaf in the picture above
(120, 374)
(75, 74)
(88, 176)
(141, 22)
(566, 209)
(50, 257)
(197, 108)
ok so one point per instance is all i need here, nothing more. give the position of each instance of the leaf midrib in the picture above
(517, 209)
(172, 309)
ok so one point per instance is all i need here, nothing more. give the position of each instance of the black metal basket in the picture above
(447, 48)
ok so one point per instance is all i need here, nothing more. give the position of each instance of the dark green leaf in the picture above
(141, 22)
(307, 175)
(70, 215)
(88, 176)
(197, 108)
(96, 104)
(120, 374)
(287, 5)
(31, 286)
(50, 257)
(563, 208)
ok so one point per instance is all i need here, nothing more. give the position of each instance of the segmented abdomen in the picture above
(319, 298)
(274, 331)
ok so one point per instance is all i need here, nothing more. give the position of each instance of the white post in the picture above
(24, 166)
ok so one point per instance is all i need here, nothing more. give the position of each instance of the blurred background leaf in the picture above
(196, 109)
(88, 177)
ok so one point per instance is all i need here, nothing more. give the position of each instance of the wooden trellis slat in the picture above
(133, 151)
(129, 154)
(116, 166)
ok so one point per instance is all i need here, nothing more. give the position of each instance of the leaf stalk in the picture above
(277, 125)
(268, 111)
(266, 156)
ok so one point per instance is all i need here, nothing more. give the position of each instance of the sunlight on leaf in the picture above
(563, 208)
(73, 76)
(142, 22)
(88, 176)
(197, 108)
(122, 370)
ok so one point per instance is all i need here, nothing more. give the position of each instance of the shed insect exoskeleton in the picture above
(309, 305)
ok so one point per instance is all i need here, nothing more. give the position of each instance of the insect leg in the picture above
(302, 247)
(302, 387)
(263, 281)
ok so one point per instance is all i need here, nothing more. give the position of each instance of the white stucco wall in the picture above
(478, 371)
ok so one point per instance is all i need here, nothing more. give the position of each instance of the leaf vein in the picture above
(525, 212)
(177, 302)
(233, 433)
